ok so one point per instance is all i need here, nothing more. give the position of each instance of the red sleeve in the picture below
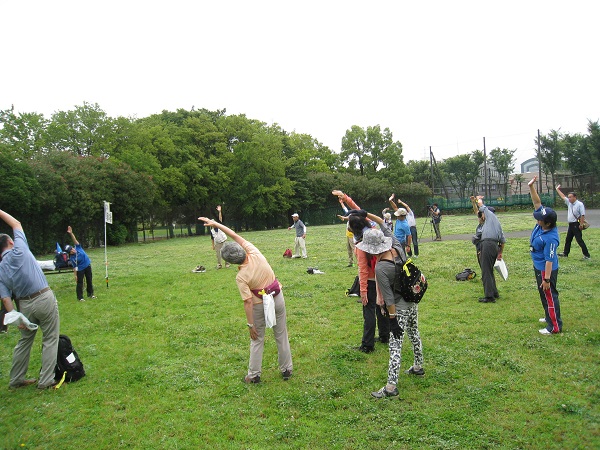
(350, 202)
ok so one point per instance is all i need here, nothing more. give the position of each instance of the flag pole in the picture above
(107, 219)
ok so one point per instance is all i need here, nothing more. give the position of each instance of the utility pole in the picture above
(431, 170)
(485, 177)
(539, 155)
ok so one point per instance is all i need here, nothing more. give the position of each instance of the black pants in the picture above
(87, 273)
(575, 232)
(372, 317)
(487, 259)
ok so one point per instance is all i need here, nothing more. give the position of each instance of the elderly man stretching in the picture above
(256, 278)
(21, 276)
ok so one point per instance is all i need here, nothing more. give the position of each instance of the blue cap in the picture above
(545, 213)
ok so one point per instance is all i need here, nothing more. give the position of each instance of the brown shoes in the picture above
(48, 386)
(26, 382)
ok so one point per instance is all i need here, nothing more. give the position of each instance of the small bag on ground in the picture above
(287, 253)
(465, 275)
(67, 361)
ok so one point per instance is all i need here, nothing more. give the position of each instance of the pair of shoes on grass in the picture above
(199, 269)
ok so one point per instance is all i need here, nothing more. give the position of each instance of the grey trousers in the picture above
(487, 259)
(218, 248)
(43, 311)
(300, 246)
(284, 353)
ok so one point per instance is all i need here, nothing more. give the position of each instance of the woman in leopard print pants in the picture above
(403, 315)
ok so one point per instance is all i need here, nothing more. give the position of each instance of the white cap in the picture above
(400, 212)
(295, 215)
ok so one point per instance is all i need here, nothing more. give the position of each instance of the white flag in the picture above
(107, 213)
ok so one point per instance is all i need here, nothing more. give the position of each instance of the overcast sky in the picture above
(438, 73)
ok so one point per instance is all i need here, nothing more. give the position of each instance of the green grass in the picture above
(165, 350)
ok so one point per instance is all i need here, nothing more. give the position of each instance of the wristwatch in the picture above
(547, 280)
(250, 325)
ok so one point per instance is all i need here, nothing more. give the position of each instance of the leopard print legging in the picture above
(408, 320)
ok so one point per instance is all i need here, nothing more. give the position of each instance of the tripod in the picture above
(428, 220)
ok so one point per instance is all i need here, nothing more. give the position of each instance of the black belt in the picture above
(35, 294)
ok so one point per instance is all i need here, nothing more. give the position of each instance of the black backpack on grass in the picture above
(67, 361)
(465, 275)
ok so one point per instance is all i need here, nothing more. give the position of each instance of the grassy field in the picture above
(165, 350)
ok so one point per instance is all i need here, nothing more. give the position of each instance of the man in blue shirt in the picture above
(82, 266)
(402, 229)
(21, 277)
(543, 246)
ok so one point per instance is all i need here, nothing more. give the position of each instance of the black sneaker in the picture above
(487, 300)
(562, 255)
(365, 349)
(412, 371)
(286, 375)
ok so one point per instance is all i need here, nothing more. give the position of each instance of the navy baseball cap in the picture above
(545, 213)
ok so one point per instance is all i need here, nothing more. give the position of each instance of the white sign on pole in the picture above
(107, 213)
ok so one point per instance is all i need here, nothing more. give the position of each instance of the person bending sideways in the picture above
(254, 277)
(21, 277)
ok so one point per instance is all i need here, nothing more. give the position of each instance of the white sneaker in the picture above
(542, 320)
(545, 332)
(295, 256)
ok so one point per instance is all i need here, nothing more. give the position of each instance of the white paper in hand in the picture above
(269, 307)
(16, 318)
(500, 267)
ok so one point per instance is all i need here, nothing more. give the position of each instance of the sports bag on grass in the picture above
(409, 281)
(67, 361)
(465, 275)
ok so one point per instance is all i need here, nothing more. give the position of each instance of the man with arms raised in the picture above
(21, 277)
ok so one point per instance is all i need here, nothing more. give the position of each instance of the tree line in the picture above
(175, 166)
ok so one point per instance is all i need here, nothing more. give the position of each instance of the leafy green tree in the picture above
(84, 131)
(260, 194)
(373, 152)
(355, 150)
(504, 162)
(551, 151)
(420, 171)
(459, 170)
(519, 179)
(22, 134)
